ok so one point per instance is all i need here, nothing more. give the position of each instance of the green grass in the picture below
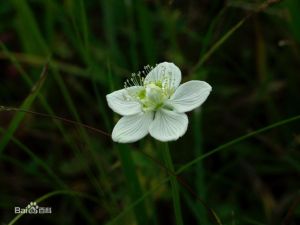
(25, 105)
(237, 164)
(174, 184)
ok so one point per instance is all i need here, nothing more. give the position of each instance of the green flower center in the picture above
(152, 96)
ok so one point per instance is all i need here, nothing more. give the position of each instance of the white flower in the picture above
(155, 104)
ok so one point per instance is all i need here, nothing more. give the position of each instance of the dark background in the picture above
(252, 63)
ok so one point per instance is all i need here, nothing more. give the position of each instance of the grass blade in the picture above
(175, 190)
(17, 119)
(237, 140)
(135, 190)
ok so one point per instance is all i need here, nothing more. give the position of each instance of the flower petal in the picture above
(168, 125)
(189, 96)
(166, 73)
(132, 128)
(122, 103)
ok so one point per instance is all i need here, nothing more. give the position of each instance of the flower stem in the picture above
(174, 185)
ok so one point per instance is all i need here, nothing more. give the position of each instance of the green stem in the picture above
(134, 185)
(200, 172)
(174, 185)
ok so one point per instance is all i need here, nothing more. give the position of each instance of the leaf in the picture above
(19, 116)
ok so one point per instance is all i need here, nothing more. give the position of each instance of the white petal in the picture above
(122, 103)
(168, 125)
(167, 73)
(189, 95)
(132, 128)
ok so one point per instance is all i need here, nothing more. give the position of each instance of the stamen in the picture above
(147, 69)
(168, 82)
(163, 71)
(137, 79)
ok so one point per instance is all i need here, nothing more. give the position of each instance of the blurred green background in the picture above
(247, 50)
